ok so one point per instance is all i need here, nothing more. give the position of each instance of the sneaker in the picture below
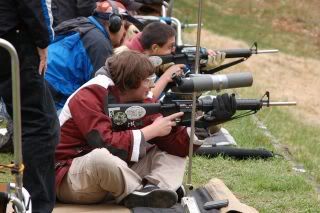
(181, 192)
(151, 196)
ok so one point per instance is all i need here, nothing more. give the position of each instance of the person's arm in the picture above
(165, 78)
(87, 111)
(177, 142)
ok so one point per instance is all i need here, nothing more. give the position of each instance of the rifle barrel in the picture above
(266, 51)
(246, 53)
(280, 103)
(256, 104)
(189, 25)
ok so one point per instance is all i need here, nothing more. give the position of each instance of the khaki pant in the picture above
(92, 177)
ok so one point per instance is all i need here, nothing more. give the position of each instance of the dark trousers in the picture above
(40, 125)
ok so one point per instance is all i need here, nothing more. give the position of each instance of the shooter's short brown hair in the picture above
(128, 69)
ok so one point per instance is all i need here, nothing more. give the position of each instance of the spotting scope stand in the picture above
(14, 192)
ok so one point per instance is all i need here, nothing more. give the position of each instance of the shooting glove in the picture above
(162, 68)
(223, 108)
(214, 61)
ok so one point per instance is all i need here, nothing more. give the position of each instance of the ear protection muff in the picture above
(115, 19)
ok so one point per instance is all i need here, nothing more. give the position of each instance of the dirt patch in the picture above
(288, 78)
(288, 25)
(297, 26)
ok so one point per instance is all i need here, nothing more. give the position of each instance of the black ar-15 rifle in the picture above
(170, 106)
(186, 55)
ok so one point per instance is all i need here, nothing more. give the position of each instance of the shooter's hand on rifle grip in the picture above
(223, 108)
(166, 78)
(161, 126)
(174, 70)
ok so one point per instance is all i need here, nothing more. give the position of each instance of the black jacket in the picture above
(33, 16)
(63, 10)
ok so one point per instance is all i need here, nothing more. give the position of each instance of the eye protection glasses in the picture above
(151, 79)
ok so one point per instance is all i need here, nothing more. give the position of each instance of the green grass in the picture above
(6, 176)
(302, 139)
(5, 159)
(289, 26)
(271, 185)
(3, 123)
(268, 185)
